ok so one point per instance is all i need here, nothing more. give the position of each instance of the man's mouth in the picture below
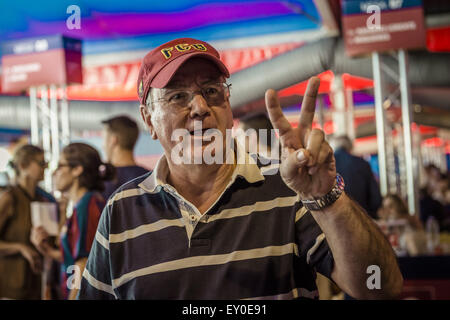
(198, 133)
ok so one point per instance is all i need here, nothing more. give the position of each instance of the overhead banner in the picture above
(40, 61)
(382, 25)
(118, 81)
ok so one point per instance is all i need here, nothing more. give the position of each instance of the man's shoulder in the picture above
(125, 174)
(132, 184)
(351, 159)
(128, 189)
(133, 169)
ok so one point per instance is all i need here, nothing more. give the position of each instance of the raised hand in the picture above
(307, 162)
(39, 238)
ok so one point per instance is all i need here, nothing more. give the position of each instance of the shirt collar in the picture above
(246, 168)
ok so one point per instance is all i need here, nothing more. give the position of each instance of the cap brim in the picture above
(164, 75)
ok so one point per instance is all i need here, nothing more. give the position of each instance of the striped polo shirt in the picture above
(256, 241)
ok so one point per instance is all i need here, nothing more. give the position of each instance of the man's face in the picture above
(165, 117)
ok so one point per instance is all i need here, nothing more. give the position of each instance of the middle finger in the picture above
(315, 139)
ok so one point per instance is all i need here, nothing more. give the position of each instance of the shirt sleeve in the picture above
(96, 283)
(311, 242)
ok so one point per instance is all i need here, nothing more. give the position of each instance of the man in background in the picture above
(259, 121)
(360, 184)
(120, 134)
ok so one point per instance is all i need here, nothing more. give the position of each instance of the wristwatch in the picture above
(328, 199)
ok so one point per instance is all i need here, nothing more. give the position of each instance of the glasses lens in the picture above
(214, 94)
(42, 163)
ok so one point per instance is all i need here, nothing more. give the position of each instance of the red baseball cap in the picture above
(160, 64)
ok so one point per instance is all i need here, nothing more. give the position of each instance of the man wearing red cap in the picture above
(223, 230)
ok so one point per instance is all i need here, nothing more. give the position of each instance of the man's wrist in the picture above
(320, 203)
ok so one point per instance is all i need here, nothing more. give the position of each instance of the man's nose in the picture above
(199, 107)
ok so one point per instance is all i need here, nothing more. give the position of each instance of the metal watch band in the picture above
(328, 199)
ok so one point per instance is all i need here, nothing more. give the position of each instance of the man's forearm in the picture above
(357, 243)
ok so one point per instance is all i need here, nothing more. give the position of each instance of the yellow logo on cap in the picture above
(141, 88)
(182, 47)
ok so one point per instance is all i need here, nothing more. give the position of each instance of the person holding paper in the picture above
(80, 174)
(20, 263)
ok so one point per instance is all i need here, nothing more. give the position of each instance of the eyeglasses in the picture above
(214, 94)
(42, 164)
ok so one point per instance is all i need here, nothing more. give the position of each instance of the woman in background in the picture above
(404, 231)
(20, 263)
(393, 208)
(80, 175)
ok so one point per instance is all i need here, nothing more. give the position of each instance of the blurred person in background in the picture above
(20, 263)
(394, 208)
(429, 196)
(259, 121)
(360, 184)
(80, 174)
(405, 232)
(443, 196)
(120, 135)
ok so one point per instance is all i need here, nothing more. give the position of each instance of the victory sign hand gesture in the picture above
(307, 162)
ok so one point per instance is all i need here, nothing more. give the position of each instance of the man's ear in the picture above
(147, 118)
(114, 139)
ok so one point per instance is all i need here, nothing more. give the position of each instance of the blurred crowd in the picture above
(37, 262)
(425, 232)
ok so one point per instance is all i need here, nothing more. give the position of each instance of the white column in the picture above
(46, 139)
(339, 106)
(380, 122)
(34, 119)
(65, 119)
(54, 128)
(406, 119)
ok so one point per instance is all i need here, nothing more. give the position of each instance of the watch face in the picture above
(340, 182)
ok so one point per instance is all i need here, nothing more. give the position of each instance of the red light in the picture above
(328, 127)
(433, 142)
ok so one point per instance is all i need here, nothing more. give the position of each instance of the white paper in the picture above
(45, 214)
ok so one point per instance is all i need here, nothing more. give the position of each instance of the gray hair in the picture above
(148, 101)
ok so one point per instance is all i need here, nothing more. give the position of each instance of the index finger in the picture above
(309, 104)
(276, 115)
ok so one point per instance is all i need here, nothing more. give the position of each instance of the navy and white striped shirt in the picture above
(255, 242)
